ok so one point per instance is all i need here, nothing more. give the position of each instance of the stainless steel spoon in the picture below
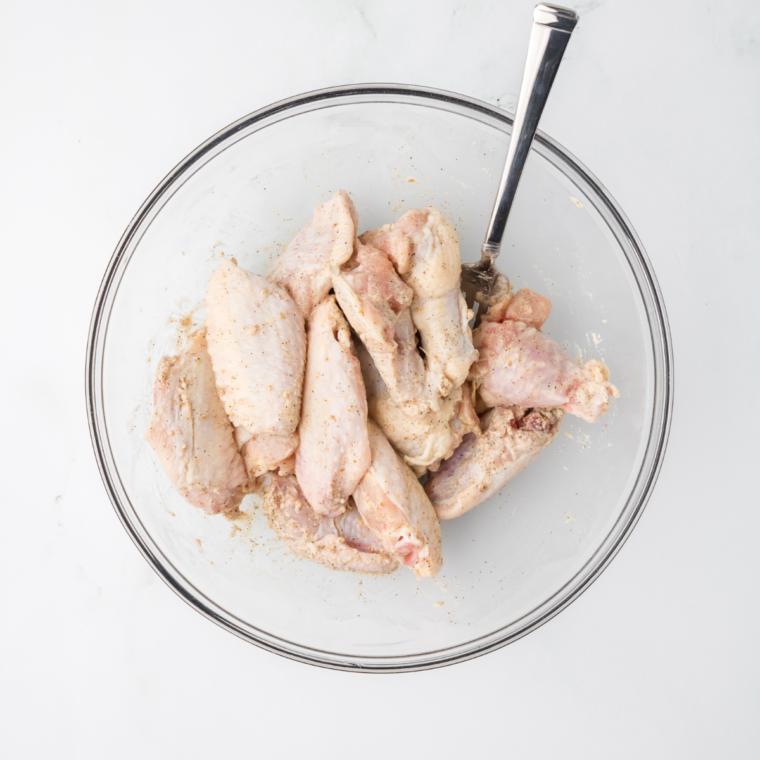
(552, 27)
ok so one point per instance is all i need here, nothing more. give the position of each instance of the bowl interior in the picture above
(509, 561)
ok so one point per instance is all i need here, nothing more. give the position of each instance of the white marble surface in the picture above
(100, 659)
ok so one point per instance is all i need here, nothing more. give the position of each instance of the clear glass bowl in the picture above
(512, 563)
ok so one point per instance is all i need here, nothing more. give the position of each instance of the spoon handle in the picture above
(552, 27)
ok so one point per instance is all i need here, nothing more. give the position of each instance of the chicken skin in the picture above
(341, 543)
(257, 344)
(511, 439)
(266, 451)
(191, 434)
(392, 502)
(305, 268)
(425, 251)
(423, 441)
(520, 366)
(334, 452)
(377, 305)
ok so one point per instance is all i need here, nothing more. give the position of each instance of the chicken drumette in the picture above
(520, 366)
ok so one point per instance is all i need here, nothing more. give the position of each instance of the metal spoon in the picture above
(552, 27)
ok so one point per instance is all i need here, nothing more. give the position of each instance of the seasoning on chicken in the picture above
(520, 366)
(511, 439)
(257, 344)
(425, 250)
(333, 453)
(191, 434)
(396, 509)
(377, 305)
(342, 543)
(422, 441)
(305, 267)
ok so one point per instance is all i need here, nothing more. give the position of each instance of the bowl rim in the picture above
(564, 596)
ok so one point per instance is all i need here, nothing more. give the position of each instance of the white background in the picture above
(99, 659)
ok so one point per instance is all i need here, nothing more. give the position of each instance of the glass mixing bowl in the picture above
(510, 564)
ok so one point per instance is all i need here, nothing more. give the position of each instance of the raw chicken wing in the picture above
(377, 305)
(334, 452)
(396, 509)
(520, 366)
(425, 249)
(257, 344)
(342, 543)
(190, 432)
(483, 464)
(327, 241)
(425, 440)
